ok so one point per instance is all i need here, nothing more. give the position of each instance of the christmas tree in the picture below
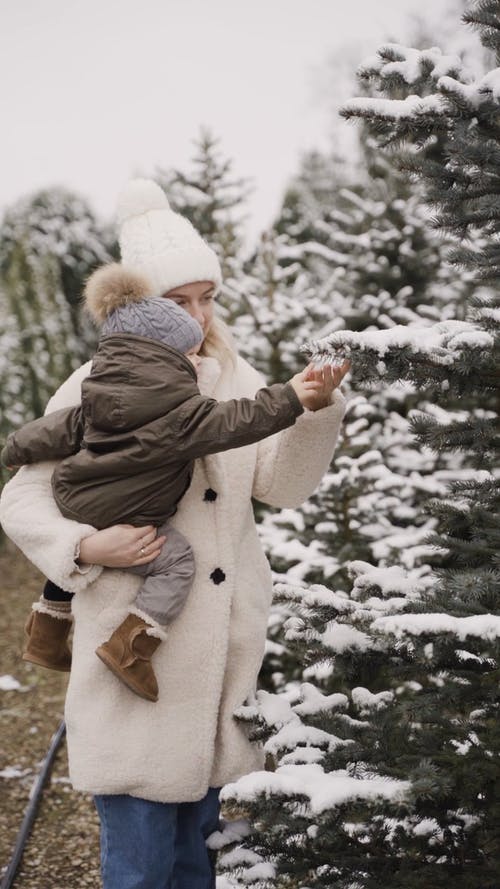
(362, 256)
(49, 243)
(56, 226)
(212, 198)
(388, 764)
(280, 306)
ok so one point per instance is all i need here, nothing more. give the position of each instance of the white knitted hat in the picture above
(161, 243)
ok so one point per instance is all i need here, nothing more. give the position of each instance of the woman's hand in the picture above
(121, 546)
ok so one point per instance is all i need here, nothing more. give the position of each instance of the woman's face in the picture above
(197, 299)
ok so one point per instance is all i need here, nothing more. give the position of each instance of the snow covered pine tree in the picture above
(49, 242)
(392, 777)
(355, 251)
(213, 199)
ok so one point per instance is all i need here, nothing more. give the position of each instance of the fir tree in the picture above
(212, 198)
(279, 308)
(374, 261)
(389, 771)
(44, 350)
(309, 194)
(57, 227)
(49, 243)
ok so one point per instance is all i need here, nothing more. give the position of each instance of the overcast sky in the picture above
(94, 91)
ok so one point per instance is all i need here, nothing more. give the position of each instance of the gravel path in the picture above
(63, 851)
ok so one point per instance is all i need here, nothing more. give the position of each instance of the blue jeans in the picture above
(148, 845)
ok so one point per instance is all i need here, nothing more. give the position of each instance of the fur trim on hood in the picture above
(112, 286)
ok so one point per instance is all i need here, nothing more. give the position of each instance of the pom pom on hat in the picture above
(140, 196)
(113, 286)
(160, 243)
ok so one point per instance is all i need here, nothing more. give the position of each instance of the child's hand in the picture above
(314, 386)
(305, 389)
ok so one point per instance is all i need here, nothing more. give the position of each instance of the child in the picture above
(127, 457)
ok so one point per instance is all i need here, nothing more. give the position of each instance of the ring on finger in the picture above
(142, 550)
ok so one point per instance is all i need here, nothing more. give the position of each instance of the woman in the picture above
(157, 809)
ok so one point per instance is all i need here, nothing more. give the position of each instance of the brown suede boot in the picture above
(128, 654)
(46, 642)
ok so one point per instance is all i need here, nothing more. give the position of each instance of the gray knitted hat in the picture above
(157, 318)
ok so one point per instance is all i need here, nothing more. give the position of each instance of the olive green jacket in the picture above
(127, 451)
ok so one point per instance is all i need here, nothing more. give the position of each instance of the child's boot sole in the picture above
(32, 659)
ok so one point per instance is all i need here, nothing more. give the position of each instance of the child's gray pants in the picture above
(169, 577)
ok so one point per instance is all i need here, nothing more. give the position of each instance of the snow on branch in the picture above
(486, 626)
(388, 579)
(365, 701)
(395, 109)
(411, 64)
(314, 701)
(490, 84)
(323, 790)
(313, 248)
(340, 637)
(453, 86)
(443, 342)
(314, 596)
(474, 94)
(290, 736)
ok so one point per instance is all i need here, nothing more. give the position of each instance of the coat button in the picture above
(210, 495)
(217, 576)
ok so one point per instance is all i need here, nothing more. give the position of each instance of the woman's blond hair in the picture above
(219, 343)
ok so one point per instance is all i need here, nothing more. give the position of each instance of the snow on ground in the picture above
(9, 683)
(10, 772)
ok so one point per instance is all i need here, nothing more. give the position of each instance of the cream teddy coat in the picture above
(174, 750)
